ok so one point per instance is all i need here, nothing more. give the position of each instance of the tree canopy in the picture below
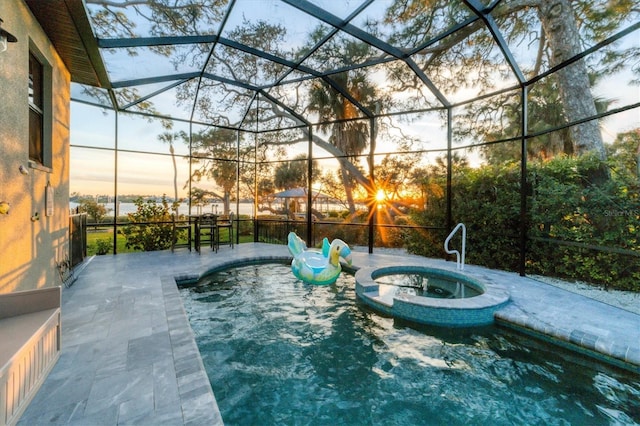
(410, 56)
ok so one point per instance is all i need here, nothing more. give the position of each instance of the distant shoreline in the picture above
(245, 208)
(216, 208)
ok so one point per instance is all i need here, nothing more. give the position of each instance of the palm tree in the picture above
(339, 116)
(169, 138)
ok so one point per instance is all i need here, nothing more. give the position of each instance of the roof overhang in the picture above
(67, 25)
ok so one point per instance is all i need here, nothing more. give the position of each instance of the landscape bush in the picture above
(577, 229)
(151, 226)
(103, 246)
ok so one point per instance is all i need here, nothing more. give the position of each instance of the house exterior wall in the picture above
(29, 249)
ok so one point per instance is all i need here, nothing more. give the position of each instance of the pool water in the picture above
(278, 351)
(425, 285)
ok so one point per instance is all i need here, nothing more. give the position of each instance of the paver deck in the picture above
(129, 356)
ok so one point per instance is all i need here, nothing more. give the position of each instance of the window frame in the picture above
(44, 160)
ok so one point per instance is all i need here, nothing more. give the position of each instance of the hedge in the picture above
(577, 229)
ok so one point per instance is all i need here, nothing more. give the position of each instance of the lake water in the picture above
(216, 208)
(126, 208)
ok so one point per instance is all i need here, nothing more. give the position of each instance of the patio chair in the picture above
(178, 226)
(207, 231)
(225, 222)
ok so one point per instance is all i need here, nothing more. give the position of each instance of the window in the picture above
(36, 110)
(40, 111)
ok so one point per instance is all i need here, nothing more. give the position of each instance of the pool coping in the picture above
(199, 405)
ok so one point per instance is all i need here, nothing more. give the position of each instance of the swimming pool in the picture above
(278, 351)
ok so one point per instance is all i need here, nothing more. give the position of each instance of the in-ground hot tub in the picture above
(430, 295)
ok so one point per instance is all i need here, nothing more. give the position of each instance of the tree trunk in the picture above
(348, 189)
(226, 202)
(175, 178)
(561, 31)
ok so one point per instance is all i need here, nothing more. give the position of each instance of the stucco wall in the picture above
(30, 249)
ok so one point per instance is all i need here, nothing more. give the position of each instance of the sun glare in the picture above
(380, 196)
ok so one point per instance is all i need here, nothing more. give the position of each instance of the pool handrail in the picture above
(459, 263)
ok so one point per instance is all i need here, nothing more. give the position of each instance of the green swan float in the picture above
(319, 267)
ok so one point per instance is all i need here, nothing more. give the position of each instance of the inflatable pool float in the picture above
(319, 267)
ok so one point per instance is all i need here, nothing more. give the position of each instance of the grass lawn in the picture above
(106, 235)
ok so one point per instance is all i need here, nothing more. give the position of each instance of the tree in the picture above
(218, 100)
(337, 115)
(458, 162)
(92, 208)
(292, 174)
(432, 180)
(265, 189)
(395, 175)
(561, 28)
(214, 153)
(242, 94)
(169, 138)
(544, 112)
(151, 225)
(624, 154)
(199, 196)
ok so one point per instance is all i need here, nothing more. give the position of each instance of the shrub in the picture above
(151, 226)
(93, 209)
(576, 229)
(245, 225)
(103, 246)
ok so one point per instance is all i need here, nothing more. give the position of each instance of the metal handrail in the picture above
(459, 264)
